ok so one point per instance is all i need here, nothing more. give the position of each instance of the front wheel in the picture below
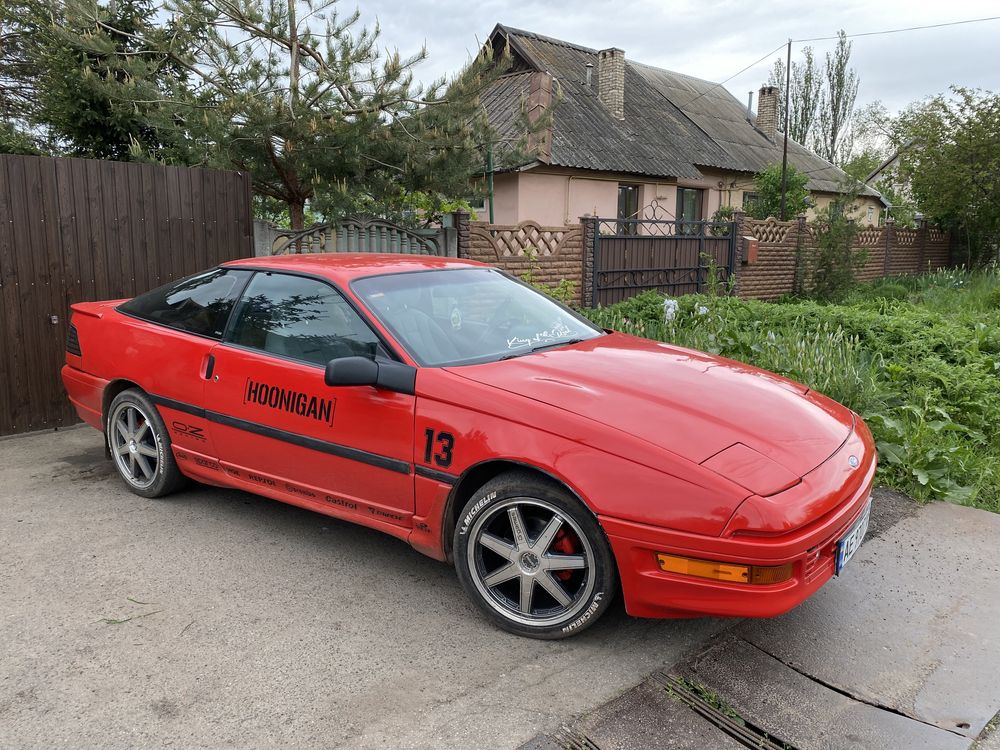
(533, 557)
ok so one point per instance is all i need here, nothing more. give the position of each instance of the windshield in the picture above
(469, 315)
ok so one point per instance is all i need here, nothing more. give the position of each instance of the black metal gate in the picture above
(673, 257)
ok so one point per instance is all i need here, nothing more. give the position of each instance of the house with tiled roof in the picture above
(632, 140)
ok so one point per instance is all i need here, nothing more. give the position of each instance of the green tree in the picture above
(18, 76)
(805, 85)
(832, 139)
(102, 88)
(821, 100)
(953, 165)
(767, 185)
(311, 106)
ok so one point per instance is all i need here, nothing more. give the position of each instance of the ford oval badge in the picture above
(853, 461)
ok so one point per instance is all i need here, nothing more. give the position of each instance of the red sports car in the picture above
(448, 404)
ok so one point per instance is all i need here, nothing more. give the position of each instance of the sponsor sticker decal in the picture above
(287, 400)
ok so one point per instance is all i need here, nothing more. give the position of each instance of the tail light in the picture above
(73, 341)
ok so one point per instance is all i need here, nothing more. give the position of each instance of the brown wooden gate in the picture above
(673, 257)
(79, 229)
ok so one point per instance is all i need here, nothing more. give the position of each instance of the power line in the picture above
(830, 38)
(722, 83)
(899, 31)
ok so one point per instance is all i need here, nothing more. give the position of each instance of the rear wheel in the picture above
(533, 557)
(140, 445)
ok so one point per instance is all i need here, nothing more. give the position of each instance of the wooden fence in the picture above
(76, 229)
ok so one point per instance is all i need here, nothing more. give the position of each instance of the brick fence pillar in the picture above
(462, 225)
(590, 230)
(921, 245)
(801, 238)
(739, 230)
(890, 236)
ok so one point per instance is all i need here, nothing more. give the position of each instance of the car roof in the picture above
(345, 267)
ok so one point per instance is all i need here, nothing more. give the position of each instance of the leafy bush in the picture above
(892, 291)
(834, 261)
(921, 365)
(767, 185)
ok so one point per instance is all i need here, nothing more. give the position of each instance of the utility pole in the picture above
(489, 177)
(784, 153)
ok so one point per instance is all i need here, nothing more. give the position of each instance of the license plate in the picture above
(851, 541)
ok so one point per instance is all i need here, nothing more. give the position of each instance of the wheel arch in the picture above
(479, 474)
(111, 390)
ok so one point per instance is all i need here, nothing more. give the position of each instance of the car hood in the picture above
(690, 403)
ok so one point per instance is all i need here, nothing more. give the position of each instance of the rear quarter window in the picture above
(200, 304)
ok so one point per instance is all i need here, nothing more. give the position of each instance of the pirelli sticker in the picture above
(287, 400)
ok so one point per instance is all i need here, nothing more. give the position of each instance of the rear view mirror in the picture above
(352, 371)
(386, 374)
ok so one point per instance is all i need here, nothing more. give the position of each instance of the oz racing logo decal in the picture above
(293, 402)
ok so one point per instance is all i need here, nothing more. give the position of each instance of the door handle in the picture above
(210, 367)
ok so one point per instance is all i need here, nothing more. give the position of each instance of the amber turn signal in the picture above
(723, 571)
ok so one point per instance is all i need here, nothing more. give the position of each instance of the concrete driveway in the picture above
(217, 618)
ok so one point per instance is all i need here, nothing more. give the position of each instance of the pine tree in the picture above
(309, 104)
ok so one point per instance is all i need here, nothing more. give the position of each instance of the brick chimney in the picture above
(767, 111)
(539, 102)
(611, 81)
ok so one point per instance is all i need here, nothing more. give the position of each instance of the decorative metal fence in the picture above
(359, 234)
(673, 257)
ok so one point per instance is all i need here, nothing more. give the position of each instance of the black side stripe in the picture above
(323, 446)
(440, 476)
(177, 405)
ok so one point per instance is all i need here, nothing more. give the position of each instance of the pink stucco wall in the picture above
(558, 198)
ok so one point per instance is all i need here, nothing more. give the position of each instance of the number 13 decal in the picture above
(445, 442)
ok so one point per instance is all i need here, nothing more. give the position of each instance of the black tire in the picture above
(515, 576)
(137, 437)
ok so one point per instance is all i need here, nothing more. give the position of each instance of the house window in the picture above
(749, 198)
(871, 215)
(689, 207)
(628, 208)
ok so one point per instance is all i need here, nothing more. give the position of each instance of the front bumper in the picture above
(811, 548)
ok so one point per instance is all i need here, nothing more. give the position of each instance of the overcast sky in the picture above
(713, 40)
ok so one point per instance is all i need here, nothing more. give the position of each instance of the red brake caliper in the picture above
(563, 543)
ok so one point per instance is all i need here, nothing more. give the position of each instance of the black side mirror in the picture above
(351, 371)
(391, 376)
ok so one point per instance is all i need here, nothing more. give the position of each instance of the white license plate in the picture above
(851, 541)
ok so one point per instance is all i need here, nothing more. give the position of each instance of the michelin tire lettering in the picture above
(470, 516)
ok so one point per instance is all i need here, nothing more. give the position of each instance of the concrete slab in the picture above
(648, 718)
(912, 624)
(802, 712)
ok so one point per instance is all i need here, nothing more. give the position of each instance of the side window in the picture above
(198, 304)
(301, 318)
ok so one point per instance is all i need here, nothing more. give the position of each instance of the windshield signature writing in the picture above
(559, 330)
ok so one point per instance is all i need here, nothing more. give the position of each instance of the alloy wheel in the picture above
(532, 563)
(134, 445)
